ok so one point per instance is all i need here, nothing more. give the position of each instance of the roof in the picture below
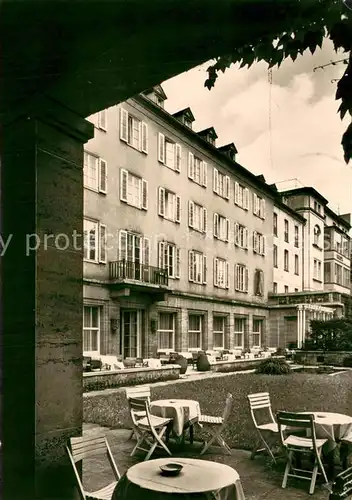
(184, 112)
(158, 90)
(208, 131)
(342, 219)
(308, 190)
(280, 204)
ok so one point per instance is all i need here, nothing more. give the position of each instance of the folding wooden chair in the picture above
(79, 448)
(216, 425)
(138, 393)
(261, 401)
(149, 429)
(342, 486)
(297, 444)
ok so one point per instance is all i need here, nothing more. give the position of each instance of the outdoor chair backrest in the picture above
(342, 486)
(259, 401)
(228, 407)
(138, 392)
(288, 420)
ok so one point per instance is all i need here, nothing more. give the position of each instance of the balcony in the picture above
(305, 298)
(126, 276)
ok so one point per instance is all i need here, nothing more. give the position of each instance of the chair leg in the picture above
(287, 469)
(256, 449)
(314, 477)
(131, 435)
(321, 466)
(208, 444)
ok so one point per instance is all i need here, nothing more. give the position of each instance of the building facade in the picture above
(179, 239)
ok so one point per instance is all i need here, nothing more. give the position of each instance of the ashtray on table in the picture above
(171, 469)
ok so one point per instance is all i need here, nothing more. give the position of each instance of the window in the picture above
(169, 153)
(197, 170)
(286, 263)
(133, 131)
(221, 227)
(94, 241)
(317, 269)
(338, 274)
(327, 272)
(134, 248)
(317, 232)
(197, 217)
(197, 267)
(346, 247)
(241, 236)
(286, 230)
(103, 120)
(274, 287)
(169, 258)
(91, 330)
(285, 289)
(258, 206)
(241, 196)
(315, 206)
(275, 224)
(169, 205)
(240, 328)
(258, 283)
(95, 173)
(221, 184)
(166, 331)
(195, 330)
(133, 190)
(296, 265)
(241, 278)
(219, 325)
(258, 243)
(346, 278)
(275, 255)
(296, 236)
(257, 332)
(221, 273)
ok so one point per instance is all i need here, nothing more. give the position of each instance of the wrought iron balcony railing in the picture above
(125, 270)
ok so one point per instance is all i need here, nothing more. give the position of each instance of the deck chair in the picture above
(149, 430)
(140, 393)
(300, 445)
(79, 448)
(342, 486)
(216, 425)
(266, 431)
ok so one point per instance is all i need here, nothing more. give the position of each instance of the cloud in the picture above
(304, 139)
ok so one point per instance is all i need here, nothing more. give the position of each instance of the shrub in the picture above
(347, 361)
(332, 335)
(280, 351)
(273, 367)
(203, 364)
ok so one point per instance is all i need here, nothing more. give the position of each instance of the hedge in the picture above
(295, 392)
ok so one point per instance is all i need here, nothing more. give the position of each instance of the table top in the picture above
(330, 418)
(174, 402)
(197, 476)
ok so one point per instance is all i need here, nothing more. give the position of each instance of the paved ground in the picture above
(259, 479)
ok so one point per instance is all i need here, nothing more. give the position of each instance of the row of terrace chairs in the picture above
(301, 425)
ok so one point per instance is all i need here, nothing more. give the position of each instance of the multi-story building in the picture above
(179, 243)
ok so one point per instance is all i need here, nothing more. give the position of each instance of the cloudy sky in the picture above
(305, 128)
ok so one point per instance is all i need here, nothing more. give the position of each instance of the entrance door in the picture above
(130, 333)
(291, 330)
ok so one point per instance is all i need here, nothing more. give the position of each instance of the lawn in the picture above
(294, 392)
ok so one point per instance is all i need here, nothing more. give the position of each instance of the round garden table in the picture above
(198, 480)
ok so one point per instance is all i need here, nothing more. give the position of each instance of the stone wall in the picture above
(94, 381)
(238, 364)
(328, 358)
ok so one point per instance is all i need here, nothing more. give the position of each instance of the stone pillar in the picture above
(41, 297)
(184, 330)
(230, 332)
(299, 327)
(304, 325)
(208, 333)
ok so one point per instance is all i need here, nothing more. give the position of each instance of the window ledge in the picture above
(317, 247)
(317, 280)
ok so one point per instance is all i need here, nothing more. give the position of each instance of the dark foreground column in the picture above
(41, 298)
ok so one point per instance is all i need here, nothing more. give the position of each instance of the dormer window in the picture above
(208, 135)
(187, 122)
(229, 150)
(156, 94)
(185, 116)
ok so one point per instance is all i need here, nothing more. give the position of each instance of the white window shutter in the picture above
(246, 199)
(178, 209)
(205, 220)
(161, 201)
(190, 213)
(227, 274)
(236, 276)
(123, 184)
(263, 208)
(161, 254)
(205, 173)
(144, 195)
(144, 137)
(103, 172)
(246, 237)
(216, 272)
(237, 192)
(254, 203)
(161, 147)
(237, 234)
(102, 243)
(254, 241)
(246, 279)
(178, 157)
(102, 119)
(263, 245)
(122, 245)
(216, 181)
(227, 229)
(177, 262)
(190, 266)
(191, 165)
(227, 187)
(146, 251)
(123, 125)
(216, 225)
(204, 269)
